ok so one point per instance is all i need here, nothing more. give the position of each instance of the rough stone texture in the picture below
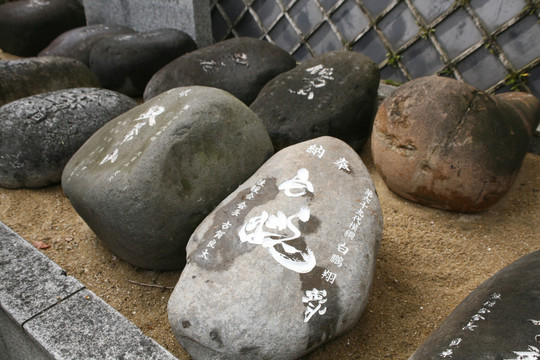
(147, 179)
(498, 320)
(125, 63)
(332, 94)
(77, 43)
(241, 66)
(40, 133)
(28, 26)
(190, 16)
(25, 77)
(285, 262)
(443, 143)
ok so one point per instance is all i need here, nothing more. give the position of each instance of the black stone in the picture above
(40, 133)
(499, 320)
(125, 63)
(28, 26)
(332, 94)
(77, 43)
(241, 66)
(31, 76)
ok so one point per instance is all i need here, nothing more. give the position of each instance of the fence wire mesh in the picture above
(493, 45)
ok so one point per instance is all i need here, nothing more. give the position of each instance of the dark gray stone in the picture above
(125, 63)
(498, 320)
(28, 26)
(146, 180)
(31, 76)
(40, 133)
(77, 43)
(241, 66)
(332, 94)
(285, 263)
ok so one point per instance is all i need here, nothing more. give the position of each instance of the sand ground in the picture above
(429, 261)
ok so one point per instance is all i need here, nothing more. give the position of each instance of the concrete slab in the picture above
(190, 16)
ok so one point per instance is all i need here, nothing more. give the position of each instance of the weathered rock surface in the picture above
(498, 320)
(126, 63)
(77, 43)
(332, 94)
(285, 262)
(241, 66)
(40, 133)
(25, 77)
(28, 26)
(145, 180)
(443, 143)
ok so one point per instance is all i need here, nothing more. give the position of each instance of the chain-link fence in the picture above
(493, 45)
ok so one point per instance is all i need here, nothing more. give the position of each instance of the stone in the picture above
(125, 63)
(31, 76)
(284, 263)
(190, 16)
(499, 320)
(445, 144)
(241, 66)
(77, 43)
(145, 180)
(28, 26)
(332, 94)
(40, 133)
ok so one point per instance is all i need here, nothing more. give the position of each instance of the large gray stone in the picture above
(332, 94)
(77, 43)
(25, 77)
(28, 26)
(499, 320)
(125, 63)
(241, 66)
(190, 16)
(40, 133)
(285, 263)
(145, 180)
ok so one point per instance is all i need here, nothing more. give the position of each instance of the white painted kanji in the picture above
(298, 185)
(314, 300)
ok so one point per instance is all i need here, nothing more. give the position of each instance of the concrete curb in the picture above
(45, 314)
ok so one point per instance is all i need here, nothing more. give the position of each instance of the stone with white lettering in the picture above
(442, 143)
(332, 94)
(77, 43)
(499, 320)
(285, 263)
(241, 66)
(25, 77)
(125, 63)
(146, 179)
(28, 26)
(40, 133)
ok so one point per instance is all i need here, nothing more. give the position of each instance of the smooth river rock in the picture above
(146, 179)
(241, 66)
(332, 94)
(28, 26)
(25, 77)
(77, 43)
(125, 63)
(40, 133)
(445, 144)
(498, 320)
(284, 263)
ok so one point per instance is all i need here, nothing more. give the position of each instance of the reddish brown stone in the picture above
(445, 144)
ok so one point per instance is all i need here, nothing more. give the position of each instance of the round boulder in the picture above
(241, 66)
(25, 77)
(445, 144)
(77, 43)
(28, 26)
(145, 180)
(125, 63)
(40, 133)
